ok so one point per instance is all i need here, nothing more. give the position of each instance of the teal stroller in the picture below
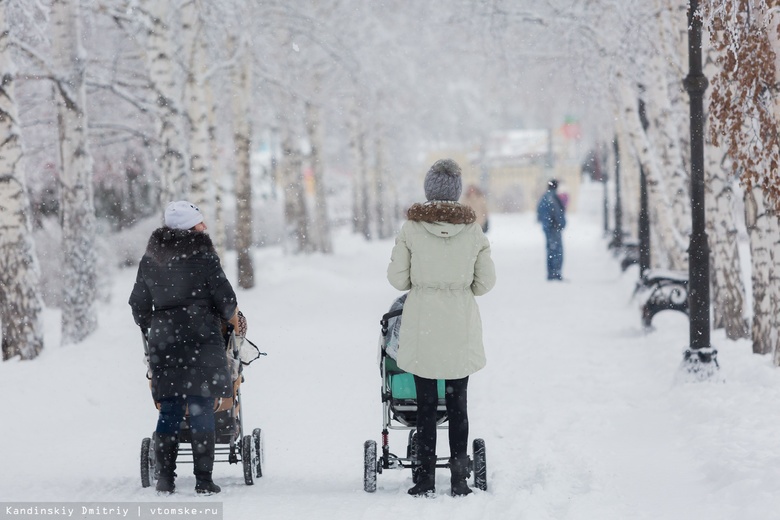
(399, 407)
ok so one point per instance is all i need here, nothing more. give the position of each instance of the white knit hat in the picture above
(182, 215)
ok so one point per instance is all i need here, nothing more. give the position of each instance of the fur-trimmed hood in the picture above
(167, 244)
(441, 211)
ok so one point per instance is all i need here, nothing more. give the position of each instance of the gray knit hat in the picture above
(443, 182)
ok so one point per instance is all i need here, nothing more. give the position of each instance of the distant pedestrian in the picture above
(551, 213)
(475, 199)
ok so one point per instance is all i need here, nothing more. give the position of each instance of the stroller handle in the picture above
(386, 319)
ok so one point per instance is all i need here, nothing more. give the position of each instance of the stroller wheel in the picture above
(147, 462)
(258, 452)
(246, 459)
(369, 466)
(480, 465)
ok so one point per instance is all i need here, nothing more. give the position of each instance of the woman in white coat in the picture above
(443, 258)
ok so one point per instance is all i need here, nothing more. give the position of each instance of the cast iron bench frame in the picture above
(662, 290)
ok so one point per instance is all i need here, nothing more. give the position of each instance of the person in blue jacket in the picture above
(551, 213)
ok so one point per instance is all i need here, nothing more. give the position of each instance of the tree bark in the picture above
(217, 228)
(297, 239)
(167, 84)
(727, 288)
(762, 226)
(671, 243)
(197, 109)
(242, 136)
(380, 195)
(79, 316)
(357, 144)
(321, 222)
(20, 298)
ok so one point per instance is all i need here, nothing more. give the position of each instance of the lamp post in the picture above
(602, 175)
(617, 239)
(700, 359)
(644, 217)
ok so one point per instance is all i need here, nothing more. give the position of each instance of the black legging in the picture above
(455, 398)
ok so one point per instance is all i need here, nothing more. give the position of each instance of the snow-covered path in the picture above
(578, 406)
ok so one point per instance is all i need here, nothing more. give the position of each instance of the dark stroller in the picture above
(231, 445)
(399, 406)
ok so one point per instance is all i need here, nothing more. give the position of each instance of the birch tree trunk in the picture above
(166, 81)
(242, 136)
(762, 227)
(217, 230)
(664, 132)
(79, 316)
(321, 223)
(296, 217)
(197, 108)
(671, 243)
(361, 220)
(727, 287)
(728, 290)
(675, 41)
(380, 197)
(20, 298)
(629, 181)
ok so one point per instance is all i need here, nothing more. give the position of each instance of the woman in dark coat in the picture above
(180, 298)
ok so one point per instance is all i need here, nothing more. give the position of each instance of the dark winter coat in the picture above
(550, 212)
(442, 257)
(181, 295)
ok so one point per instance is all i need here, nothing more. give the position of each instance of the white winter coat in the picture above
(442, 256)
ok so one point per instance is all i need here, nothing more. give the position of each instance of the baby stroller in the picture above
(399, 406)
(231, 445)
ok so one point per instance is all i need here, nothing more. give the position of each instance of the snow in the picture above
(581, 410)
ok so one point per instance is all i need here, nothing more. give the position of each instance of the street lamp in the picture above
(700, 359)
(644, 216)
(617, 238)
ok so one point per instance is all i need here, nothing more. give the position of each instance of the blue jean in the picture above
(554, 254)
(172, 410)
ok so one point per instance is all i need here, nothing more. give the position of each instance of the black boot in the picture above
(203, 462)
(166, 447)
(426, 481)
(459, 467)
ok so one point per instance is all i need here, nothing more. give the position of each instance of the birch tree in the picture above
(167, 85)
(744, 108)
(383, 217)
(297, 238)
(727, 288)
(79, 313)
(357, 145)
(242, 136)
(20, 299)
(665, 108)
(197, 107)
(322, 237)
(671, 242)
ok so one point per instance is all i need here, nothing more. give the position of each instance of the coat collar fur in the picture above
(167, 244)
(441, 211)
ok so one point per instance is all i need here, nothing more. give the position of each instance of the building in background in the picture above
(512, 167)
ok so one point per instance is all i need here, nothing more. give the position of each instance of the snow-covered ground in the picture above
(578, 405)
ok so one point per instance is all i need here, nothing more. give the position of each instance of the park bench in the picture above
(630, 255)
(660, 290)
(628, 249)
